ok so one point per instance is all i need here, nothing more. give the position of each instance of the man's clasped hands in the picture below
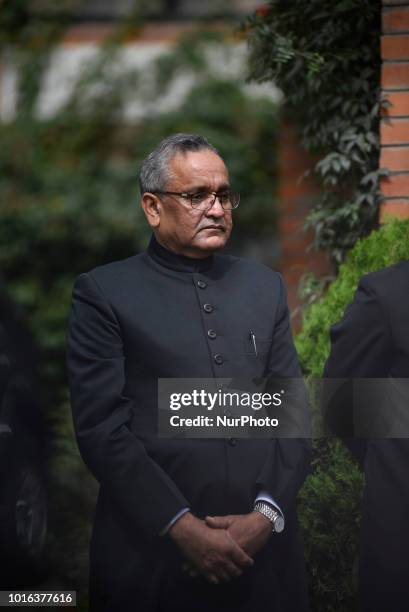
(220, 548)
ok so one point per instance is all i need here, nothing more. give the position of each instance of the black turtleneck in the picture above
(180, 263)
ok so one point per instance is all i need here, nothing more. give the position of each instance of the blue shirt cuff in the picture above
(175, 518)
(266, 497)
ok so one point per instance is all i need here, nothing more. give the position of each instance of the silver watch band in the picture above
(277, 521)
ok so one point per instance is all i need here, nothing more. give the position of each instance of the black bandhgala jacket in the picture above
(372, 341)
(144, 318)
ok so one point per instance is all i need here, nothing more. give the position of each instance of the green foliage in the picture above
(329, 514)
(382, 248)
(68, 185)
(324, 55)
(69, 201)
(331, 497)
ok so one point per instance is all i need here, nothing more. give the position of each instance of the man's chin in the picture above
(212, 243)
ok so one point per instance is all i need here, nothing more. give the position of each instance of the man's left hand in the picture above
(250, 531)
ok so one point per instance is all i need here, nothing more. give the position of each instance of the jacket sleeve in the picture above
(288, 460)
(359, 349)
(138, 487)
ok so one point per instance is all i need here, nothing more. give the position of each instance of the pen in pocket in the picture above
(253, 339)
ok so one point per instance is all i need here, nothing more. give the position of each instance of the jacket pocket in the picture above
(258, 347)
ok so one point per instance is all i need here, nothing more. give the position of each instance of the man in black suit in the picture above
(184, 524)
(372, 342)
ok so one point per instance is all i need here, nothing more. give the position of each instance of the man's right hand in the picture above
(213, 552)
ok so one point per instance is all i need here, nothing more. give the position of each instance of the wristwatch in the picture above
(277, 521)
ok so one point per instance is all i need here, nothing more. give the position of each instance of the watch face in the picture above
(279, 524)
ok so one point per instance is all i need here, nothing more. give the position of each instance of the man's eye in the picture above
(224, 197)
(199, 197)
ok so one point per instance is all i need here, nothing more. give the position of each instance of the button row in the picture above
(218, 359)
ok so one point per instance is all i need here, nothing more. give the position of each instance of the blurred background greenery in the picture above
(69, 197)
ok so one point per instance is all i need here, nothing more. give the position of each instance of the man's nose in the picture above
(216, 209)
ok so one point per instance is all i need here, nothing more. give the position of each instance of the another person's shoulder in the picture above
(388, 281)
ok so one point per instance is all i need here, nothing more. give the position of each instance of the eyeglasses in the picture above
(202, 200)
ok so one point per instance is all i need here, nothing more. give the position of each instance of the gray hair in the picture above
(154, 173)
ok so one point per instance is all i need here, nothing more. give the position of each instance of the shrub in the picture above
(382, 248)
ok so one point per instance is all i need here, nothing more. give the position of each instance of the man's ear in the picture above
(152, 207)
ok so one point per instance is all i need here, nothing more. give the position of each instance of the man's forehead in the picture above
(204, 165)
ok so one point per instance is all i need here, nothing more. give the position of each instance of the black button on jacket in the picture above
(135, 321)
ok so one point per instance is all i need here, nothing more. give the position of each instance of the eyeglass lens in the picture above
(204, 200)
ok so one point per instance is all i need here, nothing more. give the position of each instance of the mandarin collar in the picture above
(180, 263)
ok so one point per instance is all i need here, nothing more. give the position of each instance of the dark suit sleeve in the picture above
(288, 461)
(137, 486)
(359, 349)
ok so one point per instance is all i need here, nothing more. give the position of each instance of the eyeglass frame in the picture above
(186, 195)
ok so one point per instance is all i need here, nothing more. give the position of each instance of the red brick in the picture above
(293, 172)
(394, 158)
(399, 103)
(296, 167)
(295, 268)
(395, 20)
(395, 75)
(291, 188)
(294, 251)
(291, 224)
(290, 151)
(149, 33)
(394, 131)
(297, 164)
(294, 248)
(95, 33)
(395, 47)
(394, 208)
(294, 207)
(395, 185)
(296, 199)
(291, 154)
(291, 290)
(290, 240)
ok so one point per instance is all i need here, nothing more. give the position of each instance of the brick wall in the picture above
(296, 200)
(395, 121)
